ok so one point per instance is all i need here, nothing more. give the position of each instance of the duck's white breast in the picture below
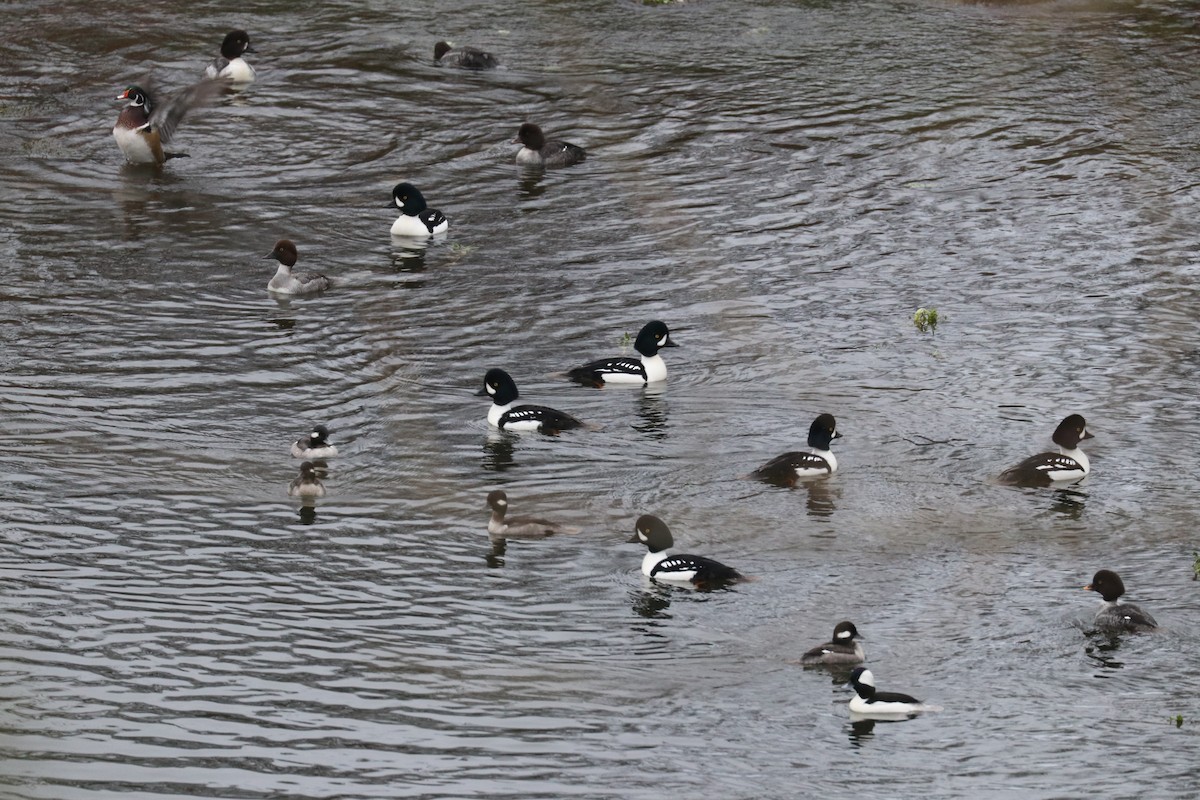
(238, 71)
(409, 226)
(134, 146)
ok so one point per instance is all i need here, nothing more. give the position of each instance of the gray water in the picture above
(784, 185)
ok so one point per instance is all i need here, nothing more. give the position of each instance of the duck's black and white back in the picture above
(504, 413)
(1115, 616)
(648, 368)
(1069, 464)
(501, 526)
(315, 445)
(463, 57)
(796, 465)
(660, 564)
(287, 282)
(843, 648)
(537, 151)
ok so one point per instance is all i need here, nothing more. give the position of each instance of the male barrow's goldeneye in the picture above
(1116, 616)
(315, 445)
(537, 152)
(622, 369)
(659, 564)
(1044, 469)
(506, 415)
(869, 702)
(841, 650)
(502, 527)
(306, 484)
(786, 469)
(287, 282)
(463, 57)
(230, 65)
(416, 218)
(144, 126)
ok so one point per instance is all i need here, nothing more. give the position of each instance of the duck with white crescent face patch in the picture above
(1068, 465)
(790, 467)
(505, 414)
(661, 564)
(648, 368)
(416, 218)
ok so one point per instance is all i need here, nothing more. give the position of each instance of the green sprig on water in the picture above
(926, 320)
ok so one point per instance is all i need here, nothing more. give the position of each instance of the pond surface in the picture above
(784, 184)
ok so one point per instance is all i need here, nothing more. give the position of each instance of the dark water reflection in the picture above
(783, 184)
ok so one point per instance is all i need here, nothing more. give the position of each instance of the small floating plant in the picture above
(926, 320)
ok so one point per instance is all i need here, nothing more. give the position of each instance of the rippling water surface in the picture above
(784, 184)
